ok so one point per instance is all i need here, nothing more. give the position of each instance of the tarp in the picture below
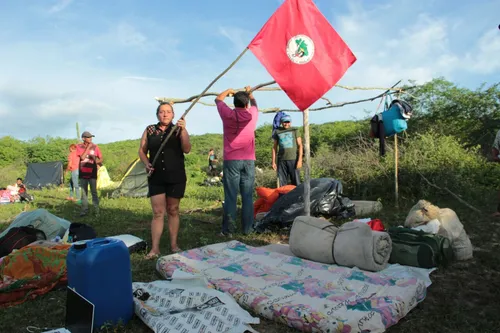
(134, 183)
(326, 200)
(44, 174)
(50, 224)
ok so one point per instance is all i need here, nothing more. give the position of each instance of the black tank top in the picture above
(169, 167)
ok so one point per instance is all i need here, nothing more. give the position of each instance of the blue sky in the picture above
(102, 63)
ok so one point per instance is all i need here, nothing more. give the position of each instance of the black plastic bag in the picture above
(326, 200)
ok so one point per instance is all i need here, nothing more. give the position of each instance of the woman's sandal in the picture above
(176, 250)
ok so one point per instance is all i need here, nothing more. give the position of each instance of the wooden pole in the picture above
(396, 158)
(307, 165)
(174, 129)
(77, 131)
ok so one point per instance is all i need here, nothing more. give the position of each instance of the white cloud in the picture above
(72, 107)
(238, 37)
(486, 56)
(142, 78)
(59, 6)
(128, 35)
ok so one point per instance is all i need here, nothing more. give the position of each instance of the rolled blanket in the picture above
(357, 245)
(312, 238)
(353, 244)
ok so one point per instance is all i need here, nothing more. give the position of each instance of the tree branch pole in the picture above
(450, 192)
(307, 169)
(192, 104)
(263, 87)
(389, 91)
(396, 160)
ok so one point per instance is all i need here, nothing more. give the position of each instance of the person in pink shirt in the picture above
(239, 156)
(72, 168)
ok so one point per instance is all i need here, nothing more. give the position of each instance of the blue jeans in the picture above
(74, 185)
(238, 175)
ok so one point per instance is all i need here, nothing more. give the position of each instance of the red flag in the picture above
(302, 52)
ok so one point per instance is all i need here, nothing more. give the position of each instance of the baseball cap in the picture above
(87, 134)
(286, 118)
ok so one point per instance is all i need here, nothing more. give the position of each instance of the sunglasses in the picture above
(286, 122)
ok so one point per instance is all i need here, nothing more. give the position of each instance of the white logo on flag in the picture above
(300, 49)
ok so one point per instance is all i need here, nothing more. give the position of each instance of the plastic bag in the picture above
(326, 200)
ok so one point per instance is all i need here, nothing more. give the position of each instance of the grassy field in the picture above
(463, 297)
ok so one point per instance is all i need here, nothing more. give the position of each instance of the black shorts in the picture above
(171, 190)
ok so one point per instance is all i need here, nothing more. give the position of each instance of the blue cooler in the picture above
(394, 122)
(99, 269)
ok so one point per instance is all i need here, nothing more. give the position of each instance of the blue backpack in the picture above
(390, 122)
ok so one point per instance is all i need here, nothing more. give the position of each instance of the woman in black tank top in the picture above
(167, 182)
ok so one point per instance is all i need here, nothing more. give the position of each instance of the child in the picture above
(289, 155)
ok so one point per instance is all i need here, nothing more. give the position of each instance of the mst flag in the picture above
(302, 52)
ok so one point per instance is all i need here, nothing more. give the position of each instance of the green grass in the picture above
(463, 297)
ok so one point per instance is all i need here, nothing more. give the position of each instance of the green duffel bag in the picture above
(419, 249)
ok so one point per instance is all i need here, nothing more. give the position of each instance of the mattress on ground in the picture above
(302, 294)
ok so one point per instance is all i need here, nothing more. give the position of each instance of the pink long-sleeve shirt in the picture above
(239, 131)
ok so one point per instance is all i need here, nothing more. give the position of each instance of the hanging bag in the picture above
(392, 117)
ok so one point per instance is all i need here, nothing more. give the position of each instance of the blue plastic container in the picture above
(394, 122)
(99, 270)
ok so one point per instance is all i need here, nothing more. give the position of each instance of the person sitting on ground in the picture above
(72, 168)
(22, 191)
(239, 156)
(289, 155)
(167, 182)
(14, 189)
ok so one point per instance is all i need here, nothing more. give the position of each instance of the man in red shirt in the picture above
(90, 158)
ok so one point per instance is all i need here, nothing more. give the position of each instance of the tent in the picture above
(134, 183)
(103, 179)
(44, 174)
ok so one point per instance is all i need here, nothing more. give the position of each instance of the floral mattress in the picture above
(302, 294)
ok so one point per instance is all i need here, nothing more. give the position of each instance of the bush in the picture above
(443, 160)
(266, 178)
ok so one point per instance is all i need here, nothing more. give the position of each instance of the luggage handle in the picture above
(100, 242)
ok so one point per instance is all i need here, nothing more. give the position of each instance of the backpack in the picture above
(19, 237)
(392, 121)
(419, 249)
(80, 231)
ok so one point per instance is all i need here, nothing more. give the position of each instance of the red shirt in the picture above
(73, 161)
(88, 165)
